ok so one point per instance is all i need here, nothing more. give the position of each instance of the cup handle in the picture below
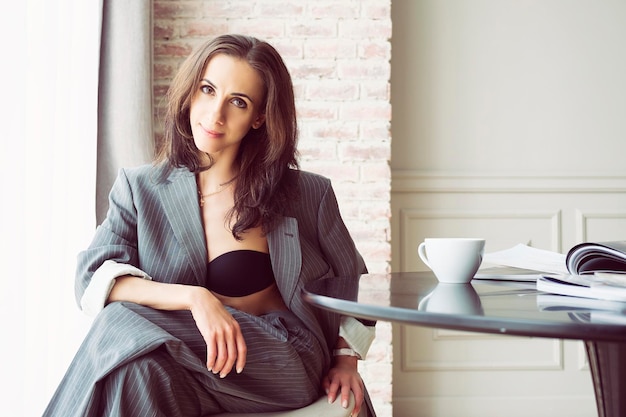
(421, 251)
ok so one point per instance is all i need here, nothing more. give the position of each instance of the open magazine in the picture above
(604, 257)
(589, 270)
(595, 270)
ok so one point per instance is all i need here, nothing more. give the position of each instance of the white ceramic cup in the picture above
(453, 260)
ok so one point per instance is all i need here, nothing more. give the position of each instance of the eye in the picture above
(239, 102)
(207, 89)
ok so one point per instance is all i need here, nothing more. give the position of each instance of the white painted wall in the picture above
(509, 85)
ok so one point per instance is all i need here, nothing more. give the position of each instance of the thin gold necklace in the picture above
(221, 188)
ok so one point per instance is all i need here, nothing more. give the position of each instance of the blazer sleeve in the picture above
(335, 240)
(115, 239)
(345, 260)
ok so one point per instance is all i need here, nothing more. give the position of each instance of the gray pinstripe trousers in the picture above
(136, 361)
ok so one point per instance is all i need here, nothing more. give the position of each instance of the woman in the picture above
(195, 276)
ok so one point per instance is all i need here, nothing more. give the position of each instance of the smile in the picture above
(211, 133)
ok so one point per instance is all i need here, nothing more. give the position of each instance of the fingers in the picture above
(211, 353)
(242, 353)
(224, 359)
(357, 409)
(359, 395)
(337, 388)
(326, 385)
(358, 400)
(345, 396)
(222, 334)
(226, 348)
(334, 390)
(331, 387)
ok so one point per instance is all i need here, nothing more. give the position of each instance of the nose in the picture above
(217, 112)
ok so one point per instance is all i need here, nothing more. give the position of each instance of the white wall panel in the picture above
(600, 225)
(500, 228)
(444, 350)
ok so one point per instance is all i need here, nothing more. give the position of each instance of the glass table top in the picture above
(488, 306)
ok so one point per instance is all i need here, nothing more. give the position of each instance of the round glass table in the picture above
(492, 306)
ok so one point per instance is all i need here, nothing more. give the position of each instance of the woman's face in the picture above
(225, 105)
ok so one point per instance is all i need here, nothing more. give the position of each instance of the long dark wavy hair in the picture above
(267, 156)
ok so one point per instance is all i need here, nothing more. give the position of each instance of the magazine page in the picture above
(608, 278)
(604, 291)
(591, 257)
(528, 258)
(565, 284)
(507, 273)
(586, 286)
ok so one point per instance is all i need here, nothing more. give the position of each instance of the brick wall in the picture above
(338, 54)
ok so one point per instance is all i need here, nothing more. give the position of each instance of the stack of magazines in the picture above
(595, 270)
(590, 270)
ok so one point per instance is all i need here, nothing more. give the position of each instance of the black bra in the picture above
(240, 272)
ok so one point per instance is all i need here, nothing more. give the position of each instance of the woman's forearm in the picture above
(158, 295)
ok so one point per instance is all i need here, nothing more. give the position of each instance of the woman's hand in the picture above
(342, 378)
(226, 346)
(225, 343)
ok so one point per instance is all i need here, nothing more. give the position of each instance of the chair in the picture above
(319, 408)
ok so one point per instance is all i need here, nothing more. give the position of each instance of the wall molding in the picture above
(408, 216)
(422, 352)
(584, 216)
(412, 181)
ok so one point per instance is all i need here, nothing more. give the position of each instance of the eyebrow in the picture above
(232, 94)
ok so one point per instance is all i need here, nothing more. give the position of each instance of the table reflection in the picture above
(452, 299)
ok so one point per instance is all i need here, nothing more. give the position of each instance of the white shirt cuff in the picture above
(358, 336)
(102, 281)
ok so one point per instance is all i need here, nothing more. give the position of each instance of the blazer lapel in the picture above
(286, 256)
(179, 198)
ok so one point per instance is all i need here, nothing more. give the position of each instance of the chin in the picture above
(216, 149)
(207, 146)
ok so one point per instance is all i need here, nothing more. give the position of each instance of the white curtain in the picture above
(48, 157)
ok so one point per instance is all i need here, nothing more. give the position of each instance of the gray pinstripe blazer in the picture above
(154, 223)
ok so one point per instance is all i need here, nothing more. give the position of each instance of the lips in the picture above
(212, 133)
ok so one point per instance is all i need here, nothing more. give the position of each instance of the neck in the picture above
(215, 178)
